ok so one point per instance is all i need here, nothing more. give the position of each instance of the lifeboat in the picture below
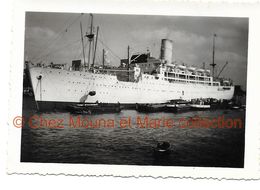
(201, 70)
(182, 67)
(191, 68)
(170, 65)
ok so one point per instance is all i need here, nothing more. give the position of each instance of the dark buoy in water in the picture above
(162, 148)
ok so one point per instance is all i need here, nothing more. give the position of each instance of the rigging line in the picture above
(54, 37)
(59, 35)
(52, 51)
(59, 49)
(66, 28)
(99, 59)
(98, 56)
(102, 36)
(109, 50)
(50, 54)
(102, 41)
(44, 52)
(80, 51)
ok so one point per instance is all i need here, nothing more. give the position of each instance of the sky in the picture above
(56, 37)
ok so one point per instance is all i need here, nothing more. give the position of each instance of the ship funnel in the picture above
(166, 51)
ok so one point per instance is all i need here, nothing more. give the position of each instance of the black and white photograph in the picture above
(146, 90)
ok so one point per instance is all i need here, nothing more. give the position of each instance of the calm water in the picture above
(206, 147)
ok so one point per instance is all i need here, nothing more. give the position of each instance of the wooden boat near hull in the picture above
(150, 107)
(177, 108)
(93, 108)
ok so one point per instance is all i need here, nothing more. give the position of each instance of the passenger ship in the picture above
(145, 80)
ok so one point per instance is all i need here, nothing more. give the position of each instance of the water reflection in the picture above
(133, 145)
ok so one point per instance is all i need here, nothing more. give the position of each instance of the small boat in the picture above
(235, 107)
(191, 68)
(106, 108)
(150, 107)
(75, 107)
(94, 108)
(162, 148)
(177, 106)
(171, 108)
(181, 67)
(199, 105)
(201, 70)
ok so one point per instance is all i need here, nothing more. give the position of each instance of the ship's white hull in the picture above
(56, 85)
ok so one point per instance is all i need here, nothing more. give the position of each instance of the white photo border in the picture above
(252, 129)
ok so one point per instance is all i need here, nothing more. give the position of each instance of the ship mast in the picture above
(90, 37)
(95, 49)
(103, 58)
(213, 56)
(83, 49)
(128, 62)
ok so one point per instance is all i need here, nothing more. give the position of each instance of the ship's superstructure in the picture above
(142, 79)
(61, 86)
